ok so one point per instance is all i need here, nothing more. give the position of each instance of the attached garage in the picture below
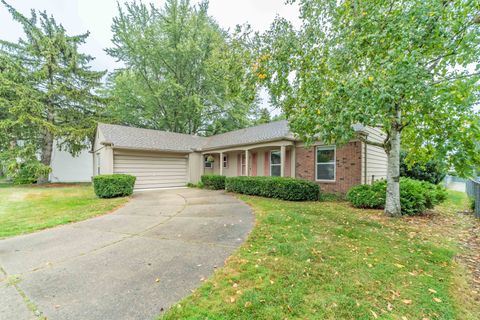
(152, 169)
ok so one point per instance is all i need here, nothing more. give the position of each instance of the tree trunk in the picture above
(46, 156)
(392, 203)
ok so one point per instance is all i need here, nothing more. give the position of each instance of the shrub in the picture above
(113, 185)
(330, 197)
(21, 164)
(415, 196)
(472, 204)
(214, 182)
(275, 187)
(433, 171)
(365, 196)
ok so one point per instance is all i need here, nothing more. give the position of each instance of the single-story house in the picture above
(68, 168)
(162, 159)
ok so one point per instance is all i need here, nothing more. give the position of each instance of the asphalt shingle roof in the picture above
(264, 132)
(146, 139)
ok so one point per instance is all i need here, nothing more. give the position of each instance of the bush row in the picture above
(214, 182)
(274, 187)
(415, 196)
(113, 185)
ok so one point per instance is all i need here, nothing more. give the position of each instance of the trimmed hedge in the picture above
(415, 196)
(113, 185)
(214, 182)
(274, 187)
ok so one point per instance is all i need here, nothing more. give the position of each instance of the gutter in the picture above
(150, 149)
(246, 144)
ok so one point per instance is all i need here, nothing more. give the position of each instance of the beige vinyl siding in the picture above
(231, 169)
(153, 170)
(376, 164)
(102, 156)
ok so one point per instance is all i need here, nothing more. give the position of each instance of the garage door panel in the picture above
(176, 182)
(162, 179)
(153, 171)
(149, 167)
(150, 173)
(151, 161)
(157, 186)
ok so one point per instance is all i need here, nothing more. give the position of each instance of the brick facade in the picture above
(348, 167)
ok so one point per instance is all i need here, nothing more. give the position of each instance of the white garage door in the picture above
(153, 170)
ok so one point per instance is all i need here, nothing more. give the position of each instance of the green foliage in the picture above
(274, 187)
(367, 196)
(472, 204)
(409, 66)
(434, 171)
(113, 185)
(47, 89)
(214, 182)
(415, 196)
(182, 72)
(331, 197)
(20, 164)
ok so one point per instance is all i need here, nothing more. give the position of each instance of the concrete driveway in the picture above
(130, 264)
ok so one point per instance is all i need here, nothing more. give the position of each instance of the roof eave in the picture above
(248, 144)
(152, 149)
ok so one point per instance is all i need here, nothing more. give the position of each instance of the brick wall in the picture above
(348, 170)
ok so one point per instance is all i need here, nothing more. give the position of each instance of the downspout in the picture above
(365, 162)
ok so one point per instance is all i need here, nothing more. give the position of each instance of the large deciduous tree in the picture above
(182, 72)
(51, 73)
(408, 67)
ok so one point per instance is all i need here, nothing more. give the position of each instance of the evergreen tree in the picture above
(59, 76)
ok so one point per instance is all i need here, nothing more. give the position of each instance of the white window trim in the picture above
(205, 162)
(334, 162)
(225, 161)
(276, 164)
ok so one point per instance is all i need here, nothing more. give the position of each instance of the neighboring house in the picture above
(67, 168)
(164, 159)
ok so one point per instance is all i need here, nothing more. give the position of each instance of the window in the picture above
(325, 170)
(225, 161)
(98, 163)
(208, 164)
(275, 163)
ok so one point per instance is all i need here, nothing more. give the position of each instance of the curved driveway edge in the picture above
(130, 264)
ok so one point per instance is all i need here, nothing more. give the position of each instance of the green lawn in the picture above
(24, 209)
(326, 260)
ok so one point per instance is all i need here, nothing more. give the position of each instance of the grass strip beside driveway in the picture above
(327, 260)
(25, 209)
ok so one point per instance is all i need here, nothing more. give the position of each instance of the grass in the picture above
(327, 260)
(25, 209)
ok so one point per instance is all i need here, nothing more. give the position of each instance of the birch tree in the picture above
(410, 68)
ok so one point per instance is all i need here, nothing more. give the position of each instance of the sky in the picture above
(95, 16)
